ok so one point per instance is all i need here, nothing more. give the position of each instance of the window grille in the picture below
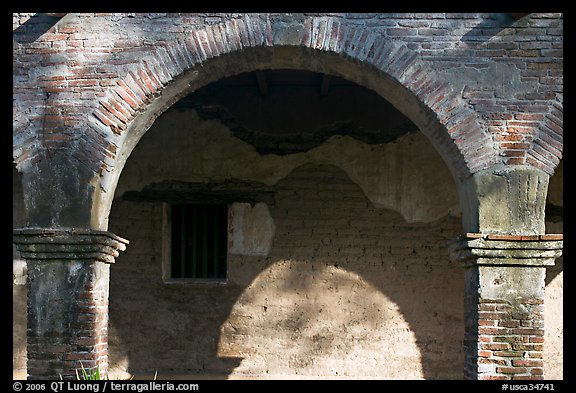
(199, 241)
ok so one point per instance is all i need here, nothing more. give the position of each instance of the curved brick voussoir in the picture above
(145, 80)
(415, 75)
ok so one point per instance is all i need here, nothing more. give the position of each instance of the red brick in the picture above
(499, 362)
(499, 116)
(112, 110)
(508, 353)
(515, 161)
(510, 339)
(495, 347)
(529, 116)
(491, 331)
(552, 237)
(104, 118)
(83, 83)
(492, 377)
(527, 363)
(496, 236)
(530, 237)
(528, 331)
(156, 81)
(131, 89)
(515, 145)
(513, 153)
(527, 347)
(511, 370)
(126, 97)
(483, 301)
(509, 323)
(486, 322)
(490, 315)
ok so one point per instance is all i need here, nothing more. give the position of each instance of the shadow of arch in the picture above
(398, 273)
(495, 24)
(321, 321)
(387, 274)
(34, 27)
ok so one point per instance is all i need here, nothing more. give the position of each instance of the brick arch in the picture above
(397, 73)
(547, 145)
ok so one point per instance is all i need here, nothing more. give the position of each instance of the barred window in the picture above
(198, 241)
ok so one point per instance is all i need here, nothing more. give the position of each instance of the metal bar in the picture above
(182, 259)
(194, 227)
(216, 220)
(224, 242)
(205, 238)
(174, 253)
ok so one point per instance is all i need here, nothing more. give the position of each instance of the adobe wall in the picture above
(347, 277)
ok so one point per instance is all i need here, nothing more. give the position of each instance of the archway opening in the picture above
(353, 193)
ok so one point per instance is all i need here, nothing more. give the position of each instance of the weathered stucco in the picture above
(343, 284)
(390, 175)
(344, 280)
(251, 229)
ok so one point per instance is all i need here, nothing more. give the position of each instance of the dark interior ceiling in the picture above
(289, 111)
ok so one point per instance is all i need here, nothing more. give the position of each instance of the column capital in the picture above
(68, 244)
(475, 249)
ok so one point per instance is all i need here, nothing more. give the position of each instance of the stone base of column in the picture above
(68, 282)
(504, 303)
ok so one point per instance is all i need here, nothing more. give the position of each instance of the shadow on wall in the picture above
(489, 27)
(19, 294)
(346, 291)
(34, 27)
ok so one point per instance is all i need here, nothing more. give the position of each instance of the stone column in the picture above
(68, 285)
(504, 302)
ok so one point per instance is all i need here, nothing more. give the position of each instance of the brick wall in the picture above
(76, 322)
(511, 342)
(500, 77)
